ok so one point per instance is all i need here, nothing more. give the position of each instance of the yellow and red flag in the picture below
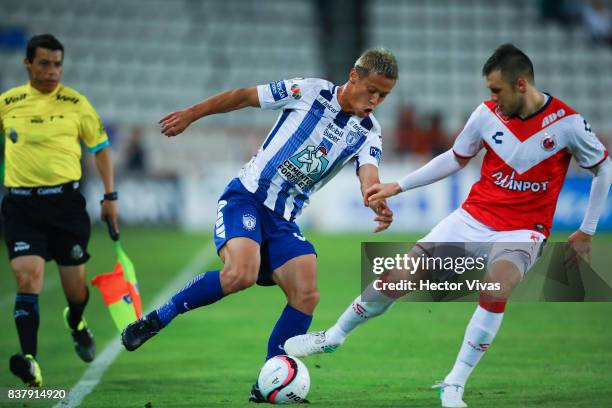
(119, 288)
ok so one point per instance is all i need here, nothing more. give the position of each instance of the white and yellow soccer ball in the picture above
(284, 380)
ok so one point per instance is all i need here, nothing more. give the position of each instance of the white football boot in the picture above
(451, 396)
(309, 344)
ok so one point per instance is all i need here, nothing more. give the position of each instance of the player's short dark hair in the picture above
(512, 62)
(378, 60)
(46, 41)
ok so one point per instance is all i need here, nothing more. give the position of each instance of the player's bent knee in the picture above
(305, 300)
(234, 279)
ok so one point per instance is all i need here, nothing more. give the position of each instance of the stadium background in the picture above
(137, 60)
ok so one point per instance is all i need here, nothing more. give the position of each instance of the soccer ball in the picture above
(284, 380)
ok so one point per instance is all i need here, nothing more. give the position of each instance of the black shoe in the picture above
(258, 398)
(136, 333)
(26, 368)
(84, 343)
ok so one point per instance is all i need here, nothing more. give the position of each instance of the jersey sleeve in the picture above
(91, 129)
(584, 144)
(283, 94)
(469, 141)
(371, 151)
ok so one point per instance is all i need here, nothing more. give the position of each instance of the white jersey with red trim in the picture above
(525, 163)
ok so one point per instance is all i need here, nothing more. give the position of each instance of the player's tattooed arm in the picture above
(176, 122)
(368, 177)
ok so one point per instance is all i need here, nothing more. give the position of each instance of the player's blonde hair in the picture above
(378, 60)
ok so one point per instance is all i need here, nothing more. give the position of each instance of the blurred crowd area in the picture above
(137, 60)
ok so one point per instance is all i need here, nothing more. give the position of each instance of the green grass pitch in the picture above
(545, 355)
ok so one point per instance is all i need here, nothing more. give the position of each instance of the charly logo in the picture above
(548, 142)
(249, 222)
(76, 252)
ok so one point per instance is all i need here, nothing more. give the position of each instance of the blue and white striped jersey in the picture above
(310, 142)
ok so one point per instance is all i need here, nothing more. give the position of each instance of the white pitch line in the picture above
(91, 377)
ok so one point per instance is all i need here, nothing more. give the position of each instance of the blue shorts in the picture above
(240, 214)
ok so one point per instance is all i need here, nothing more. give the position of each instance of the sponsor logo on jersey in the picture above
(327, 104)
(248, 222)
(298, 236)
(552, 117)
(333, 133)
(296, 92)
(12, 99)
(278, 89)
(305, 167)
(510, 183)
(50, 190)
(501, 115)
(376, 153)
(64, 98)
(548, 142)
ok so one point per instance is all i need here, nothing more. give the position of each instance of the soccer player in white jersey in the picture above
(322, 127)
(529, 138)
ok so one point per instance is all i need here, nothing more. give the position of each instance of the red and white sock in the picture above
(479, 335)
(356, 314)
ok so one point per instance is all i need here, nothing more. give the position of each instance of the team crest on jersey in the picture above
(305, 167)
(249, 222)
(352, 138)
(548, 142)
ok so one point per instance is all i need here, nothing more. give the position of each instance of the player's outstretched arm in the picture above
(368, 176)
(176, 122)
(436, 169)
(581, 240)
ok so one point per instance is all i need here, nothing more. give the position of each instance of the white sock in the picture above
(357, 313)
(479, 335)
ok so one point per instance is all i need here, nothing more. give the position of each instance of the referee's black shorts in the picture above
(55, 226)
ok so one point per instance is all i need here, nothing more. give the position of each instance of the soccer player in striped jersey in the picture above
(321, 128)
(529, 138)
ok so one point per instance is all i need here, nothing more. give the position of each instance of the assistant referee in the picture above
(43, 123)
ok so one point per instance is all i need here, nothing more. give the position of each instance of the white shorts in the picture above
(521, 247)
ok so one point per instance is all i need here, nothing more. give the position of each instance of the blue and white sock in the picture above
(202, 290)
(291, 323)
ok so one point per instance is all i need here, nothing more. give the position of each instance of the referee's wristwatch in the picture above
(112, 196)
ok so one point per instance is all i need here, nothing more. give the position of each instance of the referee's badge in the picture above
(76, 252)
(13, 135)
